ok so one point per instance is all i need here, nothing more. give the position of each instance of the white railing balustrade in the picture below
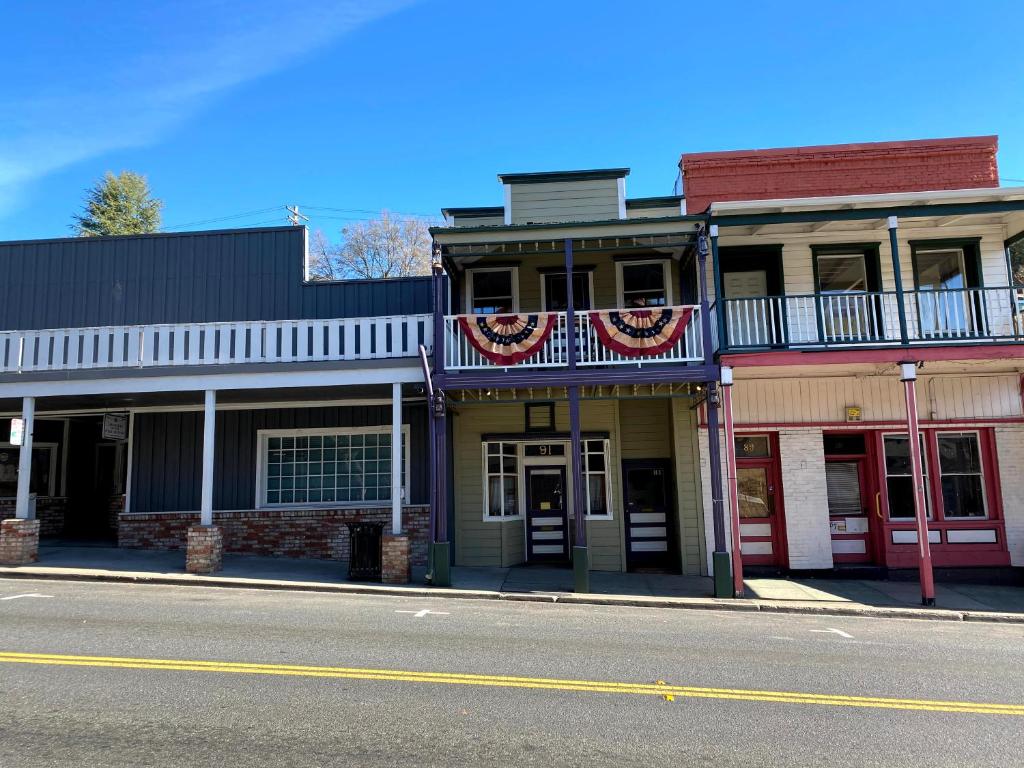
(460, 354)
(841, 319)
(271, 341)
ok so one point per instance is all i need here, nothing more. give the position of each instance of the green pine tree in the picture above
(119, 205)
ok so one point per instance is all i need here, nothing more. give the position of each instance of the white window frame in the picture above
(544, 287)
(52, 448)
(261, 465)
(513, 271)
(609, 505)
(929, 505)
(551, 461)
(519, 477)
(666, 269)
(981, 465)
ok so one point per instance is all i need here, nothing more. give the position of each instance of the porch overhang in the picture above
(856, 213)
(579, 377)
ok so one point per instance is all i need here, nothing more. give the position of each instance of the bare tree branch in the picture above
(385, 247)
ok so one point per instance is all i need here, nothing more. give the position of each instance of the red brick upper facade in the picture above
(839, 169)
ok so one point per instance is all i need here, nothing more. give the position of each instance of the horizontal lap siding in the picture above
(201, 277)
(881, 398)
(565, 201)
(604, 279)
(688, 491)
(167, 453)
(482, 542)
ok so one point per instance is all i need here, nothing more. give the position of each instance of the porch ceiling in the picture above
(815, 369)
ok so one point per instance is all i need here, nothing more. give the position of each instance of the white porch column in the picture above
(209, 420)
(396, 458)
(23, 507)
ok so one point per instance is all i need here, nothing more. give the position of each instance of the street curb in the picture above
(632, 601)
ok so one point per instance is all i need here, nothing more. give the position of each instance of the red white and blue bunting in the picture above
(507, 339)
(641, 332)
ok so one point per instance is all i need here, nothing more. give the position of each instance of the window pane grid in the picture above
(899, 478)
(341, 467)
(502, 475)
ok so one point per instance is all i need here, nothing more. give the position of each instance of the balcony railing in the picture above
(954, 315)
(150, 346)
(461, 355)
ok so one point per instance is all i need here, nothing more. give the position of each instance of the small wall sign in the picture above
(853, 413)
(17, 431)
(115, 426)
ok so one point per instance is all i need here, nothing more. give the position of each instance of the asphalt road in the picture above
(57, 711)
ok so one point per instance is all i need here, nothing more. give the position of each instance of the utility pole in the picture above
(294, 216)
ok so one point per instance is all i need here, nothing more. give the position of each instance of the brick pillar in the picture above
(19, 541)
(395, 564)
(205, 549)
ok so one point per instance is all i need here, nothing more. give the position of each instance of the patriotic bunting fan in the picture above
(507, 339)
(641, 332)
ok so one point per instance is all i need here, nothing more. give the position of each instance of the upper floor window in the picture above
(644, 284)
(492, 291)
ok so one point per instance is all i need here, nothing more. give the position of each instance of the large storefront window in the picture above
(899, 478)
(336, 466)
(963, 485)
(43, 470)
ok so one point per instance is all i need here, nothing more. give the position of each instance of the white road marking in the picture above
(29, 594)
(835, 632)
(424, 612)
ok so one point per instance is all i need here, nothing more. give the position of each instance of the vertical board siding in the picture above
(688, 492)
(167, 452)
(881, 398)
(195, 277)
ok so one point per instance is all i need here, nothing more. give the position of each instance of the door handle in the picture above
(878, 505)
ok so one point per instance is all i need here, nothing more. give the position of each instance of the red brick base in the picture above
(205, 550)
(50, 512)
(19, 541)
(315, 533)
(395, 566)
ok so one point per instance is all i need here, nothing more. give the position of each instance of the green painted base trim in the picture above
(581, 569)
(440, 564)
(722, 565)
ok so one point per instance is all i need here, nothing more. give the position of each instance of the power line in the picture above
(366, 210)
(225, 218)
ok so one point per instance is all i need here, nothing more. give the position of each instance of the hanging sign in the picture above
(507, 339)
(641, 332)
(17, 431)
(115, 426)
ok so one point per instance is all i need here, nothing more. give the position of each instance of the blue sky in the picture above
(242, 107)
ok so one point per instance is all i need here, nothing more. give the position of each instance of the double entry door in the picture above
(547, 515)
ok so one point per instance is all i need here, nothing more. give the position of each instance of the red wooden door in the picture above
(762, 521)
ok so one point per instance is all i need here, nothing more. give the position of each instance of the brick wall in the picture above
(50, 512)
(805, 497)
(1010, 455)
(839, 169)
(279, 532)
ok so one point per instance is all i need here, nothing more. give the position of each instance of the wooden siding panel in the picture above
(565, 201)
(167, 452)
(824, 400)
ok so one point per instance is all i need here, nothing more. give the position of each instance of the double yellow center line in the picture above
(506, 681)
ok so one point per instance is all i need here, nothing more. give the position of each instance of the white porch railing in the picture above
(460, 354)
(870, 318)
(271, 341)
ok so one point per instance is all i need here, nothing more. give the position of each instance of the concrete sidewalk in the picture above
(553, 585)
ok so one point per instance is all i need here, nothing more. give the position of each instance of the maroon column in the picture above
(731, 480)
(909, 379)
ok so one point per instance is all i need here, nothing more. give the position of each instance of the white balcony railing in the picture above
(460, 354)
(982, 314)
(278, 341)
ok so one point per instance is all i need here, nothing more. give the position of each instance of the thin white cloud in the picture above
(160, 74)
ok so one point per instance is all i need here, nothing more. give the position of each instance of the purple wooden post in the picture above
(580, 556)
(440, 547)
(720, 558)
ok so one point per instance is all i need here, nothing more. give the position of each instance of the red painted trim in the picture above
(888, 355)
(862, 425)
